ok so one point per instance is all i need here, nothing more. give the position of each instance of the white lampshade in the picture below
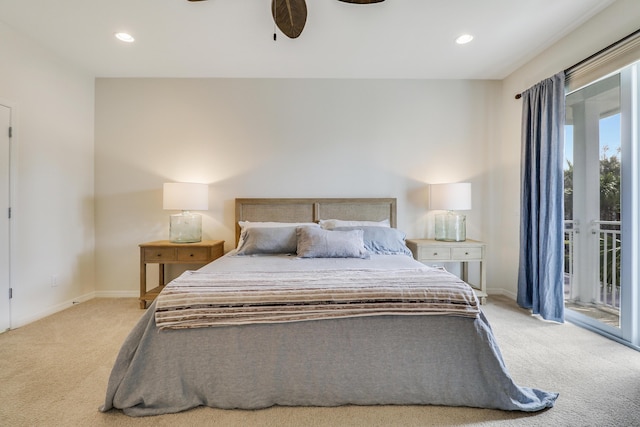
(450, 197)
(185, 196)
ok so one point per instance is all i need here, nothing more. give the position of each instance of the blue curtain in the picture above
(541, 269)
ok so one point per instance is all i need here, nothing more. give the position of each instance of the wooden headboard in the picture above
(313, 210)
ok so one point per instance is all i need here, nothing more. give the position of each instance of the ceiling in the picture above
(234, 38)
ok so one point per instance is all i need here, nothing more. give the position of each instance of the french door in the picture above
(602, 165)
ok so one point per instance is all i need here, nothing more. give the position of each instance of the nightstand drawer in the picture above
(159, 254)
(433, 253)
(193, 254)
(466, 253)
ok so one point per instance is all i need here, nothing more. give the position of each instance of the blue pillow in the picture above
(320, 243)
(268, 240)
(382, 240)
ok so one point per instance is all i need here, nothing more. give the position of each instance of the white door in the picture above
(602, 202)
(5, 123)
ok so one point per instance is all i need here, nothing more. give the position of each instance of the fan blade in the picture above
(290, 16)
(361, 1)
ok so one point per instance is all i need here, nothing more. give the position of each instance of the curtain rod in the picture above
(589, 58)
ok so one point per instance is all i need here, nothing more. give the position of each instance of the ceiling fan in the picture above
(291, 15)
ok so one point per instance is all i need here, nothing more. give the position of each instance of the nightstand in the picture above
(428, 251)
(164, 252)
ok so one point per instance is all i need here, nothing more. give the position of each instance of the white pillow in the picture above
(247, 224)
(330, 224)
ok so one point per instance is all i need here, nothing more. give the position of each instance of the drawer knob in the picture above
(190, 255)
(158, 255)
(466, 253)
(435, 253)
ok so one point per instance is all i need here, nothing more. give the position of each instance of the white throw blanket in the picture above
(197, 299)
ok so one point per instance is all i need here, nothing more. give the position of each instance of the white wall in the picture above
(279, 138)
(250, 138)
(619, 20)
(53, 225)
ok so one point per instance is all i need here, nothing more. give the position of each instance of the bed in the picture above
(373, 351)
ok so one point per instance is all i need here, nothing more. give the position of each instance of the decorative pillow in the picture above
(244, 225)
(382, 240)
(331, 224)
(268, 240)
(319, 243)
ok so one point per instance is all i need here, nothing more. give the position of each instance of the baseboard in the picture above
(117, 294)
(17, 323)
(500, 291)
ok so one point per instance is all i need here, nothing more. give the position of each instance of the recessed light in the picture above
(464, 39)
(125, 37)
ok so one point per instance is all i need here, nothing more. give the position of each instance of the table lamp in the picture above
(450, 226)
(185, 227)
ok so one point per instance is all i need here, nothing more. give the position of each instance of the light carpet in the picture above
(54, 372)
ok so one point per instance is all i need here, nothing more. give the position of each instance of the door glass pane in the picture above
(592, 201)
(610, 216)
(569, 225)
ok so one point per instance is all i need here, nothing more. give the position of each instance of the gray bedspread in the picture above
(430, 360)
(389, 359)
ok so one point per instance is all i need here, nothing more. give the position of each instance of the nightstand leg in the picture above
(161, 274)
(465, 271)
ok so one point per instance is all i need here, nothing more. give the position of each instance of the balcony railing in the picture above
(607, 284)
